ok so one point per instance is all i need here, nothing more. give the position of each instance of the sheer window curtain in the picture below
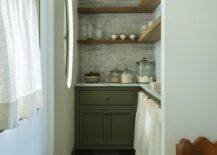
(21, 92)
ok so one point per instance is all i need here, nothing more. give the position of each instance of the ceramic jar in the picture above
(115, 76)
(126, 76)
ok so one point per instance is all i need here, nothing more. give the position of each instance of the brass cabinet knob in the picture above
(107, 98)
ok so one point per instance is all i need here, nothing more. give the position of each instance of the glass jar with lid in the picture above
(126, 76)
(144, 71)
(115, 76)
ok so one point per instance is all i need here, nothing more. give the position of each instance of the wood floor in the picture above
(104, 152)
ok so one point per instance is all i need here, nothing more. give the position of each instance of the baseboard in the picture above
(73, 152)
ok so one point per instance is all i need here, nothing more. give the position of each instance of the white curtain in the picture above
(20, 62)
(145, 142)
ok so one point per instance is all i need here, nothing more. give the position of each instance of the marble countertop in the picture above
(146, 87)
(149, 90)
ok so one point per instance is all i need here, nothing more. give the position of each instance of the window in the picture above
(69, 41)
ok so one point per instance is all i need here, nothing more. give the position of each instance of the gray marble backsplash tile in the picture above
(104, 58)
(157, 52)
(157, 12)
(117, 23)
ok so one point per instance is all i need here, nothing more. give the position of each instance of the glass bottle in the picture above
(98, 31)
(83, 25)
(90, 29)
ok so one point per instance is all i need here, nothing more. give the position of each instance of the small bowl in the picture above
(132, 36)
(123, 36)
(114, 36)
(92, 79)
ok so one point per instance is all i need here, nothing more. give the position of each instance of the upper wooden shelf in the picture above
(108, 41)
(108, 10)
(149, 5)
(153, 33)
(145, 6)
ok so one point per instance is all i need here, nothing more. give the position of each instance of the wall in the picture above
(190, 64)
(64, 98)
(157, 54)
(47, 47)
(104, 58)
(27, 139)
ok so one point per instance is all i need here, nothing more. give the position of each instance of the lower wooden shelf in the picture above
(108, 41)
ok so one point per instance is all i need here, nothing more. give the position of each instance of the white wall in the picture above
(190, 70)
(64, 98)
(27, 139)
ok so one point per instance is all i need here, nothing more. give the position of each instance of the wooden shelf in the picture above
(108, 41)
(110, 10)
(145, 6)
(153, 33)
(149, 5)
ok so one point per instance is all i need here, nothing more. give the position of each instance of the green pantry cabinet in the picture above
(105, 118)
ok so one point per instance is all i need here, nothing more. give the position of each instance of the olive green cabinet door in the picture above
(121, 127)
(92, 127)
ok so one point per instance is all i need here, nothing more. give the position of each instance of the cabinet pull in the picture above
(107, 98)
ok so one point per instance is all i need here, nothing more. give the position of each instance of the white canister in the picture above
(126, 76)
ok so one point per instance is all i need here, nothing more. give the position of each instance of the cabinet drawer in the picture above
(107, 97)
